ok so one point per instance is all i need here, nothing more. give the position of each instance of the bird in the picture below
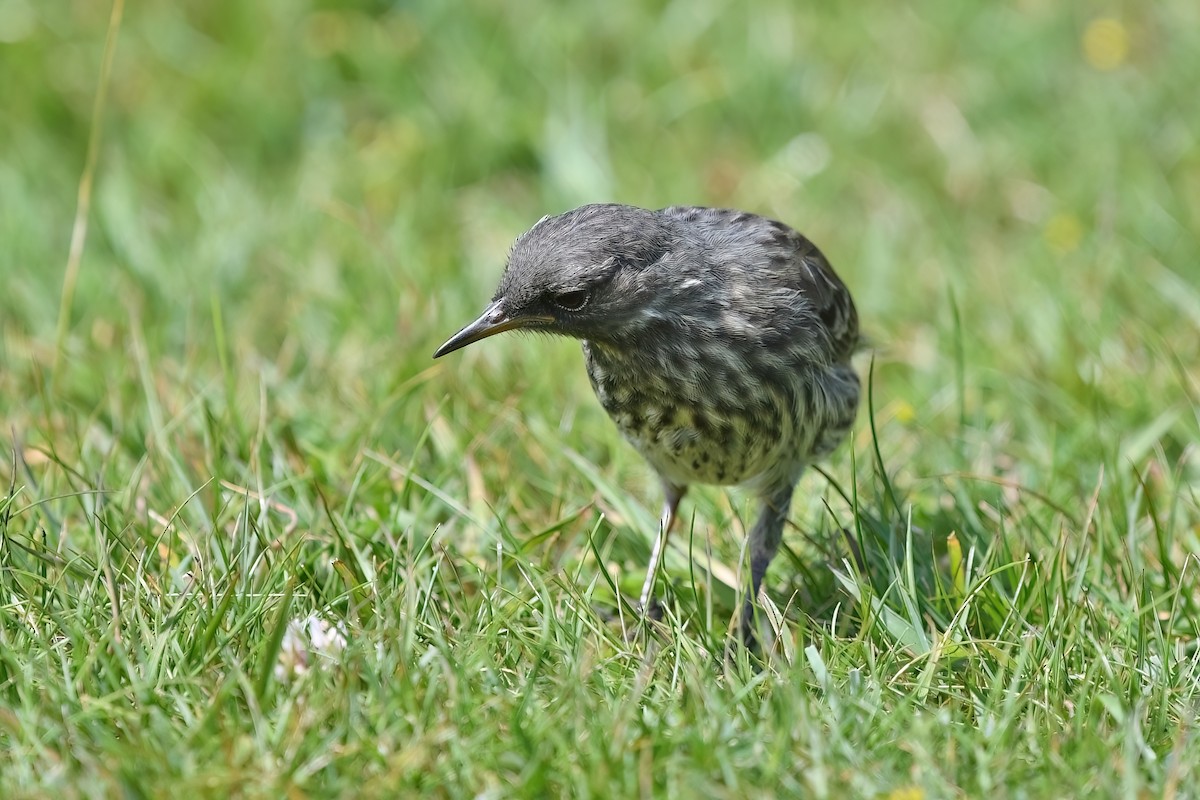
(719, 342)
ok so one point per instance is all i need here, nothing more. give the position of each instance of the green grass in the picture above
(236, 426)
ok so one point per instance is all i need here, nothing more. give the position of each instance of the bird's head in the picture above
(588, 273)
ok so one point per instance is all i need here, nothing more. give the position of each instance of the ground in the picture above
(256, 543)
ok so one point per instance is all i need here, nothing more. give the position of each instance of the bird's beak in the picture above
(493, 320)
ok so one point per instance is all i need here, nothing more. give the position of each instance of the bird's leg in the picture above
(763, 543)
(672, 495)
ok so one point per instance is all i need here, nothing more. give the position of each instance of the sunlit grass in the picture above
(242, 443)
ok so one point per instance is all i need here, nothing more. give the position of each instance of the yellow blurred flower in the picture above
(907, 793)
(1105, 44)
(1063, 233)
(325, 33)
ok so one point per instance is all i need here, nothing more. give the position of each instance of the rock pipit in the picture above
(718, 341)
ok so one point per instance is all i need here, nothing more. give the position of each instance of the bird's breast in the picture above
(697, 417)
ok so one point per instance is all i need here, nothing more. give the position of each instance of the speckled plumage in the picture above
(718, 341)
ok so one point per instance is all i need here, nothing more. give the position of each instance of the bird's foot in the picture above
(649, 620)
(745, 637)
(653, 610)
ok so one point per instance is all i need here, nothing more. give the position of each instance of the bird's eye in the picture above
(571, 301)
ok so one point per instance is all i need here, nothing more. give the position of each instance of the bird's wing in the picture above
(829, 296)
(797, 262)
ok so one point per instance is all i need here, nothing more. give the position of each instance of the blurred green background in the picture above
(293, 203)
(329, 190)
(348, 173)
(344, 178)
